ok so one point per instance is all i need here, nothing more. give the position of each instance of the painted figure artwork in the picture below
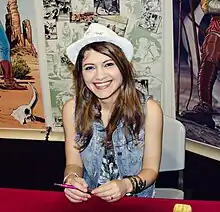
(20, 90)
(197, 44)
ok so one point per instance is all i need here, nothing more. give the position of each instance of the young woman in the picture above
(113, 133)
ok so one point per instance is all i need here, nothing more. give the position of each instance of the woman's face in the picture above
(101, 75)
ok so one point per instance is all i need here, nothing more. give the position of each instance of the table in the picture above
(18, 200)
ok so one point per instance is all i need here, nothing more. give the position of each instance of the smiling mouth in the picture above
(102, 85)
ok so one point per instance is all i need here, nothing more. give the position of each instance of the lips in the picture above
(102, 85)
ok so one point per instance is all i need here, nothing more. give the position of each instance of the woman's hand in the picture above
(113, 190)
(79, 194)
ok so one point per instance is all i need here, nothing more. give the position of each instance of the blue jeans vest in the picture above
(128, 155)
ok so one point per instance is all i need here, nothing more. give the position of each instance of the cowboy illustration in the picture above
(5, 63)
(202, 113)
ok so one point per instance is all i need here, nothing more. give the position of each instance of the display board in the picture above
(39, 32)
(196, 51)
(65, 22)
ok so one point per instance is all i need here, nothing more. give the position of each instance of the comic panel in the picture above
(50, 29)
(82, 6)
(142, 85)
(87, 17)
(60, 92)
(57, 9)
(150, 21)
(107, 7)
(117, 23)
(60, 68)
(151, 5)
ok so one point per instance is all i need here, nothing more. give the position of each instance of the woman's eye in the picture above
(87, 68)
(109, 64)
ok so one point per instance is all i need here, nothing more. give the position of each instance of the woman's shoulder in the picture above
(149, 103)
(69, 105)
(153, 106)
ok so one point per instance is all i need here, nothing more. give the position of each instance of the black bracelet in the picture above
(138, 185)
(136, 190)
(131, 179)
(141, 185)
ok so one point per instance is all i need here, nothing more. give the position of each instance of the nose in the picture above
(100, 74)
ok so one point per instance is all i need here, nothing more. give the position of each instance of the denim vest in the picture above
(128, 155)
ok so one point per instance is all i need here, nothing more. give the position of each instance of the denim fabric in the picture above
(128, 154)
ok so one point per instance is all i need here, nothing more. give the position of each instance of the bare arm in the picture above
(153, 142)
(73, 160)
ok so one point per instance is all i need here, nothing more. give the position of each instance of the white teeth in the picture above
(102, 84)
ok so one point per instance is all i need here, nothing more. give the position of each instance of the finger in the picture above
(102, 188)
(107, 193)
(81, 181)
(80, 193)
(76, 194)
(72, 199)
(114, 199)
(111, 198)
(77, 183)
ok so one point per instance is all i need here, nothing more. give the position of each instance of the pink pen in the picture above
(71, 186)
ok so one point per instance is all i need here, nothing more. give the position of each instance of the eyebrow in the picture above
(93, 64)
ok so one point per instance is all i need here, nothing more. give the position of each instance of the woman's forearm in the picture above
(145, 175)
(73, 168)
(149, 175)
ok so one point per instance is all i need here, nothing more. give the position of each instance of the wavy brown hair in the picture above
(128, 106)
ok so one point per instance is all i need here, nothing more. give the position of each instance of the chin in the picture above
(112, 95)
(103, 97)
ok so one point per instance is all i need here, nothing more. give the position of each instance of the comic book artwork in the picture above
(107, 7)
(147, 43)
(20, 89)
(140, 21)
(197, 68)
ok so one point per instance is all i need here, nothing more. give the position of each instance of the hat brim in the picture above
(74, 49)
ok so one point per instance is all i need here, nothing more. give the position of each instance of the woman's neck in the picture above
(107, 106)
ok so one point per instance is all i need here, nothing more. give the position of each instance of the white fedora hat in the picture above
(97, 33)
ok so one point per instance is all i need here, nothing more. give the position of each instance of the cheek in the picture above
(87, 77)
(119, 77)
